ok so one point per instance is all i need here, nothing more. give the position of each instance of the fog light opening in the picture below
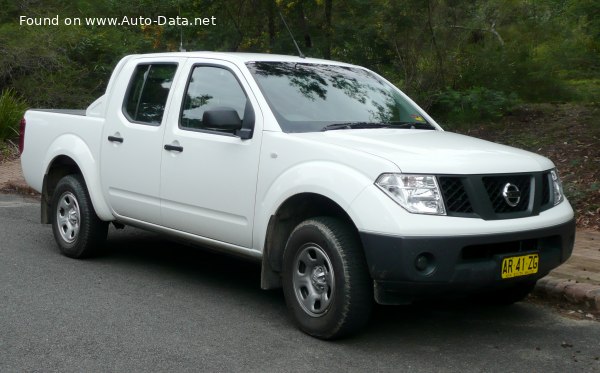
(425, 263)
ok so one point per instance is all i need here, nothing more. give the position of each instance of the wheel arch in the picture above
(58, 168)
(62, 165)
(288, 215)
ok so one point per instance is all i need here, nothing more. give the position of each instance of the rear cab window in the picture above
(147, 93)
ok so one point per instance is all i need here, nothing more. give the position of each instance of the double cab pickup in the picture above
(342, 187)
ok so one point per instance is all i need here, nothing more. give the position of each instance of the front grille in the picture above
(487, 251)
(454, 194)
(546, 188)
(495, 187)
(481, 196)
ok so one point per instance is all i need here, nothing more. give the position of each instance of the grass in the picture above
(9, 150)
(588, 90)
(12, 108)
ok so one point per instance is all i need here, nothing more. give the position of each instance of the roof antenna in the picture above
(292, 35)
(181, 48)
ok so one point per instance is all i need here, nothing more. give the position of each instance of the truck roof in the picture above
(243, 57)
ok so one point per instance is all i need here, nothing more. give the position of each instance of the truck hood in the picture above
(434, 152)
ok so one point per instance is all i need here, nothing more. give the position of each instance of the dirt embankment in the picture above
(568, 134)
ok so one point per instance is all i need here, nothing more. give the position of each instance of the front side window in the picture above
(210, 88)
(147, 93)
(308, 97)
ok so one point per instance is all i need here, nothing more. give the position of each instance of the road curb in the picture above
(582, 295)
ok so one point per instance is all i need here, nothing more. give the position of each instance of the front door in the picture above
(208, 177)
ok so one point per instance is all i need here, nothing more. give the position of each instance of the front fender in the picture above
(340, 183)
(75, 148)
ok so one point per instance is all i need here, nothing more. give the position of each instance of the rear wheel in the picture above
(326, 283)
(77, 229)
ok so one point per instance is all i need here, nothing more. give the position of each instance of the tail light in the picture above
(22, 136)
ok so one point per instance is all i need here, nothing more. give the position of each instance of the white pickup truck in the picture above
(335, 180)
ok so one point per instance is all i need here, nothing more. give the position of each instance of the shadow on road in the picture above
(138, 250)
(169, 261)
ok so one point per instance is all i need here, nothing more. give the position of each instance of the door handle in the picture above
(174, 148)
(115, 139)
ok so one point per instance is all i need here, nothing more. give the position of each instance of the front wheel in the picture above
(326, 283)
(77, 229)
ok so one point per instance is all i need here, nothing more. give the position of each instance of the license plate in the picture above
(523, 265)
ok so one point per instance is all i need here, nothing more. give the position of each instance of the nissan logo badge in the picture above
(511, 194)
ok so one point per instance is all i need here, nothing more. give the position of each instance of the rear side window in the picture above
(147, 93)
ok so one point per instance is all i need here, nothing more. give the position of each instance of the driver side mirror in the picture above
(222, 119)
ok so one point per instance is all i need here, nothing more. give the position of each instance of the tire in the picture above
(77, 229)
(326, 284)
(507, 296)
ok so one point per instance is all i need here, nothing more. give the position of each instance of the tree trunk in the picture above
(328, 29)
(304, 25)
(271, 23)
(440, 59)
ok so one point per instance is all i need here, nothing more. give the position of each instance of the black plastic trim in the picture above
(482, 205)
(391, 259)
(174, 148)
(115, 139)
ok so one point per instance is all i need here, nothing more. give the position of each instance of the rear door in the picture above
(132, 139)
(208, 180)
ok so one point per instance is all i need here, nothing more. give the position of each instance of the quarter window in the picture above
(209, 88)
(148, 91)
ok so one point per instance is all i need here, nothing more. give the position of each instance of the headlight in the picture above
(418, 194)
(557, 187)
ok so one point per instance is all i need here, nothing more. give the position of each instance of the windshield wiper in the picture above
(412, 125)
(354, 125)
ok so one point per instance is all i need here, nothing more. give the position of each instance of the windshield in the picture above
(314, 97)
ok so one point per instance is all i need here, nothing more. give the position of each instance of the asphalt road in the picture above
(153, 305)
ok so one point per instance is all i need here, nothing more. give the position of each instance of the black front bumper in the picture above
(458, 265)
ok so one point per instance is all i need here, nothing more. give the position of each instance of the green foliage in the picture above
(539, 50)
(587, 90)
(471, 105)
(9, 150)
(12, 108)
